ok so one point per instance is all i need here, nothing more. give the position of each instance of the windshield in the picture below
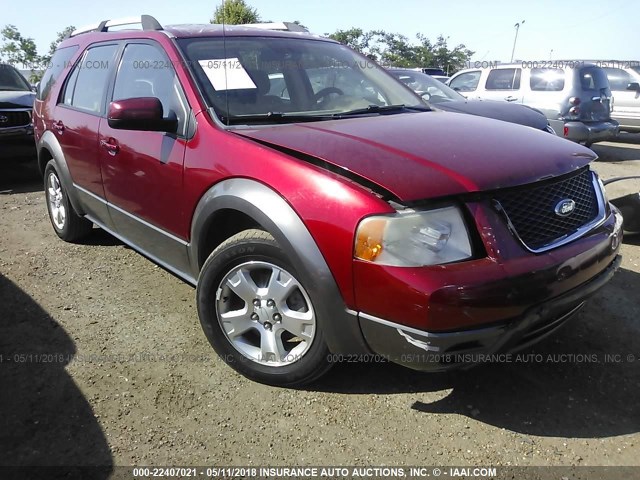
(428, 87)
(258, 79)
(11, 79)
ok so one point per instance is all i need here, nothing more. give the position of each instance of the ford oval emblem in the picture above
(565, 207)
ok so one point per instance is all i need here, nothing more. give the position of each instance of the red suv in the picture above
(323, 211)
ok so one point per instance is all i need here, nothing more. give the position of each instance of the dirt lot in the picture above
(104, 362)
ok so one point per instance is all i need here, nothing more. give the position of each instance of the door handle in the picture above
(510, 98)
(58, 126)
(111, 146)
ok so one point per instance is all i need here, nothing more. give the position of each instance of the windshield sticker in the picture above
(227, 74)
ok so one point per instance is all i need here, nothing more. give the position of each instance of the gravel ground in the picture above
(104, 363)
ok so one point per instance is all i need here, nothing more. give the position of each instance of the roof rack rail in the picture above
(146, 21)
(282, 26)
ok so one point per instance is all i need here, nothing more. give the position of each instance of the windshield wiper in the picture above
(380, 109)
(274, 117)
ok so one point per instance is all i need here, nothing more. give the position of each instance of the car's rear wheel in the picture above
(257, 314)
(68, 225)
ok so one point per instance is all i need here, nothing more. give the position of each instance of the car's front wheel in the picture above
(68, 225)
(258, 315)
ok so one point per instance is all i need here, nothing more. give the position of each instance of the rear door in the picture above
(76, 121)
(503, 84)
(626, 103)
(595, 95)
(142, 171)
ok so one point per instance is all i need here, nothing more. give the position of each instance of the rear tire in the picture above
(257, 315)
(67, 224)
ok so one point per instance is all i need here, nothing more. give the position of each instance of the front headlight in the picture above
(414, 238)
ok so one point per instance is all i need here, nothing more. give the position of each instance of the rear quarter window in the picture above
(58, 63)
(546, 79)
(593, 78)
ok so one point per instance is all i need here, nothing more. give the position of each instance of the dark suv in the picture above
(16, 105)
(319, 222)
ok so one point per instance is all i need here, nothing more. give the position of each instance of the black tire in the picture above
(73, 227)
(257, 251)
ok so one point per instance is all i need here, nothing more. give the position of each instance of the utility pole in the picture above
(517, 25)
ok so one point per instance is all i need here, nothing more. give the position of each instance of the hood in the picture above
(507, 112)
(418, 156)
(16, 99)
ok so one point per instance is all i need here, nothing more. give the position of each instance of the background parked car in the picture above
(575, 98)
(16, 106)
(624, 79)
(441, 97)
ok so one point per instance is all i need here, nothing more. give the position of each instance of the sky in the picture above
(569, 29)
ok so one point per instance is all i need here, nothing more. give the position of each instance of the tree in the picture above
(17, 49)
(60, 36)
(235, 12)
(450, 60)
(396, 50)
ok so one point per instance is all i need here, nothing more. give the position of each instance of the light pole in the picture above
(517, 25)
(550, 54)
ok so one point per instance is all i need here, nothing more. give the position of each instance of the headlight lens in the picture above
(414, 239)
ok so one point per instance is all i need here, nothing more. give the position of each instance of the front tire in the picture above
(257, 315)
(68, 225)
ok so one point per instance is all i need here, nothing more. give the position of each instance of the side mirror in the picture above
(144, 113)
(635, 86)
(35, 87)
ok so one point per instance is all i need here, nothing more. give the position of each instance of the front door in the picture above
(142, 171)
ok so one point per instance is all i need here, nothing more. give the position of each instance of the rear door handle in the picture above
(111, 146)
(58, 126)
(510, 98)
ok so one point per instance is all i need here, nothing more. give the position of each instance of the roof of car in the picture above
(151, 28)
(217, 30)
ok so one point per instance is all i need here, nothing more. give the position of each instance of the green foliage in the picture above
(235, 12)
(20, 51)
(396, 50)
(17, 49)
(60, 36)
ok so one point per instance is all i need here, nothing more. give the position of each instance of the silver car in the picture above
(624, 78)
(574, 96)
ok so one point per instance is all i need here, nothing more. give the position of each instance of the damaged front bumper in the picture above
(421, 350)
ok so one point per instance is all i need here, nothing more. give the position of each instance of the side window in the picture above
(466, 82)
(504, 79)
(58, 63)
(547, 79)
(145, 71)
(618, 79)
(87, 83)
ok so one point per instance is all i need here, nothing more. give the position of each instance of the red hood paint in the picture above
(432, 154)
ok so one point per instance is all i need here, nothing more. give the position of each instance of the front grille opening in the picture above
(14, 119)
(531, 210)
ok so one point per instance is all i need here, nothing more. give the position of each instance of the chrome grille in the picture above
(531, 210)
(13, 118)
